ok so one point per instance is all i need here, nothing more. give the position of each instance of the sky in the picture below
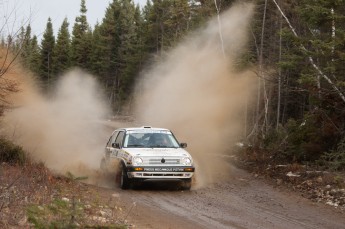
(37, 12)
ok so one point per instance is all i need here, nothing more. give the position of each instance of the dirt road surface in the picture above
(242, 201)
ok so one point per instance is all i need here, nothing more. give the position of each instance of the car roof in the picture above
(142, 128)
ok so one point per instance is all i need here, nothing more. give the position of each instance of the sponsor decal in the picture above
(163, 169)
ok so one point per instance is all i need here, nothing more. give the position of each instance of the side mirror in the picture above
(115, 145)
(183, 145)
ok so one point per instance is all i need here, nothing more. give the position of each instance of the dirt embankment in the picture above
(32, 196)
(317, 185)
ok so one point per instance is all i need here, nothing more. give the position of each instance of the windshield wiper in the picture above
(128, 146)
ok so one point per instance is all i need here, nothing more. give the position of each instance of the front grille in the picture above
(160, 160)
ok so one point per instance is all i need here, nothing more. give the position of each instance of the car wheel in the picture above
(187, 184)
(124, 180)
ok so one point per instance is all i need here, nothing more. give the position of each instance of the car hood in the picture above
(161, 152)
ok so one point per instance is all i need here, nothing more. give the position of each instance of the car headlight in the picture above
(137, 160)
(186, 161)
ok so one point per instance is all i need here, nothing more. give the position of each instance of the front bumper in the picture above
(169, 172)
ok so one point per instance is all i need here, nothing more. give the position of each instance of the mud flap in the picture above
(125, 182)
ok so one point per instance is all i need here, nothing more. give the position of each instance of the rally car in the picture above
(146, 153)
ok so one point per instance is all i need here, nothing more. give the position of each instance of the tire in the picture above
(124, 180)
(186, 184)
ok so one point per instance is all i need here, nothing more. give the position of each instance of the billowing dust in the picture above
(198, 93)
(62, 131)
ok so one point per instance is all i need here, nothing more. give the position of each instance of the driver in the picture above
(160, 140)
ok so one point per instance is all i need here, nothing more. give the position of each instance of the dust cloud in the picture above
(197, 92)
(62, 131)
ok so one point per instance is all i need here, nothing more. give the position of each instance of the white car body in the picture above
(147, 153)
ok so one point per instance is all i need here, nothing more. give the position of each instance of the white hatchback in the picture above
(147, 153)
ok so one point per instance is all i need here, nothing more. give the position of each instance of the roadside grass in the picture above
(11, 153)
(65, 213)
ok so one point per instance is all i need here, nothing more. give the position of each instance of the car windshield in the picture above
(150, 139)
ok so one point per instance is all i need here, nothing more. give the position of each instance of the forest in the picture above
(296, 46)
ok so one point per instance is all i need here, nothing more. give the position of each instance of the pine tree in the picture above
(141, 53)
(88, 48)
(178, 23)
(34, 60)
(108, 46)
(146, 27)
(117, 49)
(127, 56)
(47, 50)
(97, 53)
(62, 59)
(26, 47)
(80, 48)
(166, 22)
(155, 16)
(18, 40)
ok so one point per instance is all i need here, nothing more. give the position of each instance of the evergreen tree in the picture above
(141, 53)
(62, 59)
(26, 47)
(146, 27)
(108, 47)
(19, 40)
(47, 50)
(127, 50)
(88, 48)
(118, 51)
(155, 17)
(80, 49)
(166, 22)
(34, 60)
(178, 22)
(97, 53)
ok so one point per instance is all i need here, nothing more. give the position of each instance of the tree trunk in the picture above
(261, 73)
(220, 28)
(279, 75)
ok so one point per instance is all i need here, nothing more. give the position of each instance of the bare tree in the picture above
(9, 51)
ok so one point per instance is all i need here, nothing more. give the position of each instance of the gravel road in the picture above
(240, 201)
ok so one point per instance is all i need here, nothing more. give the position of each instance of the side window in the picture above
(112, 139)
(119, 138)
